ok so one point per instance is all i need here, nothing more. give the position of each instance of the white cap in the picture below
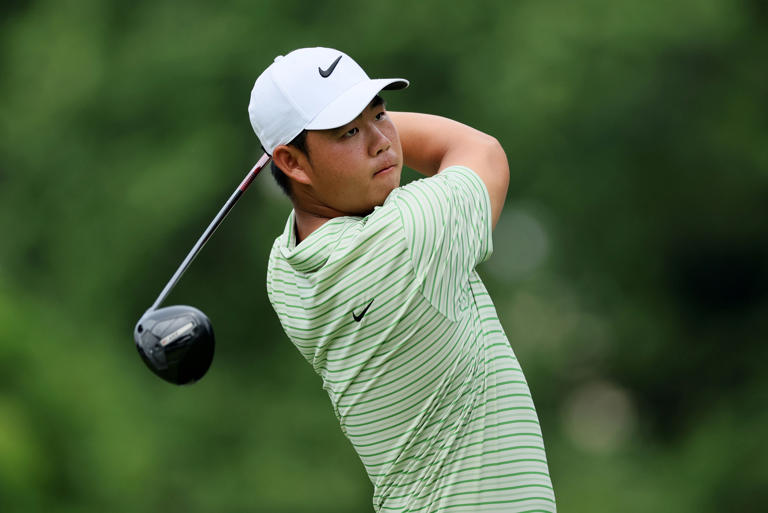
(313, 89)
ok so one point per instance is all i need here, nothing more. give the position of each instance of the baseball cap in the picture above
(313, 89)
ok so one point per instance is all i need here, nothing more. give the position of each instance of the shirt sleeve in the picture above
(447, 224)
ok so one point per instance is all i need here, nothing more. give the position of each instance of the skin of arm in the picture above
(432, 143)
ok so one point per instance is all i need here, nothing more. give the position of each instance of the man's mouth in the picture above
(384, 170)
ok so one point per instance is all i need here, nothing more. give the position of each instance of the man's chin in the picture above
(379, 198)
(389, 190)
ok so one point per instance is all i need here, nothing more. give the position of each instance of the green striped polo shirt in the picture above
(390, 312)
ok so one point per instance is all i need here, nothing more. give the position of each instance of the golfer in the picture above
(376, 286)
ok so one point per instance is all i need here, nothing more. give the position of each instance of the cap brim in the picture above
(349, 105)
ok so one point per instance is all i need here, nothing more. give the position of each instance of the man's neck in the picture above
(306, 223)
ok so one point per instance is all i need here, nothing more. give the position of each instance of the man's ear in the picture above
(292, 162)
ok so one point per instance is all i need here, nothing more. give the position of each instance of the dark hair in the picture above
(300, 143)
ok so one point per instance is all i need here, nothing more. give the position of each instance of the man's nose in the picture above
(380, 141)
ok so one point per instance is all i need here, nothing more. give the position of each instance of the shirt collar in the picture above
(313, 252)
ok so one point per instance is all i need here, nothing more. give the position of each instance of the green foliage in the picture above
(630, 269)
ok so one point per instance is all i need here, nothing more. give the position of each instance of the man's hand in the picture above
(433, 143)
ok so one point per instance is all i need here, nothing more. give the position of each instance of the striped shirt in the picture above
(390, 312)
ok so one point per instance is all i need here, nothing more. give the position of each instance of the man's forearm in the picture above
(432, 143)
(428, 139)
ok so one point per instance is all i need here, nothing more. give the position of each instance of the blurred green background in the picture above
(630, 267)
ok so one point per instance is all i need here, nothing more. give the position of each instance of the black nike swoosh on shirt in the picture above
(325, 73)
(359, 318)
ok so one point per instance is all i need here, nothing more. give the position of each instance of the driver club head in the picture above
(176, 343)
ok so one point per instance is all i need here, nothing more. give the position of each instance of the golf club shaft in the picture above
(263, 161)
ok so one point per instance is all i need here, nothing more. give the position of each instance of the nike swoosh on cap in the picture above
(325, 73)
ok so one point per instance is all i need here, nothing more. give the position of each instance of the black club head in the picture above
(176, 343)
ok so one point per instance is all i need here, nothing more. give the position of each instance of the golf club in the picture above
(177, 342)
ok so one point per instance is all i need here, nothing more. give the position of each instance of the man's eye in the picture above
(351, 132)
(381, 115)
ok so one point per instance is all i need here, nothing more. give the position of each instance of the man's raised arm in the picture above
(433, 143)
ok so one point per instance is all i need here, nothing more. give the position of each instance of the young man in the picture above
(375, 284)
